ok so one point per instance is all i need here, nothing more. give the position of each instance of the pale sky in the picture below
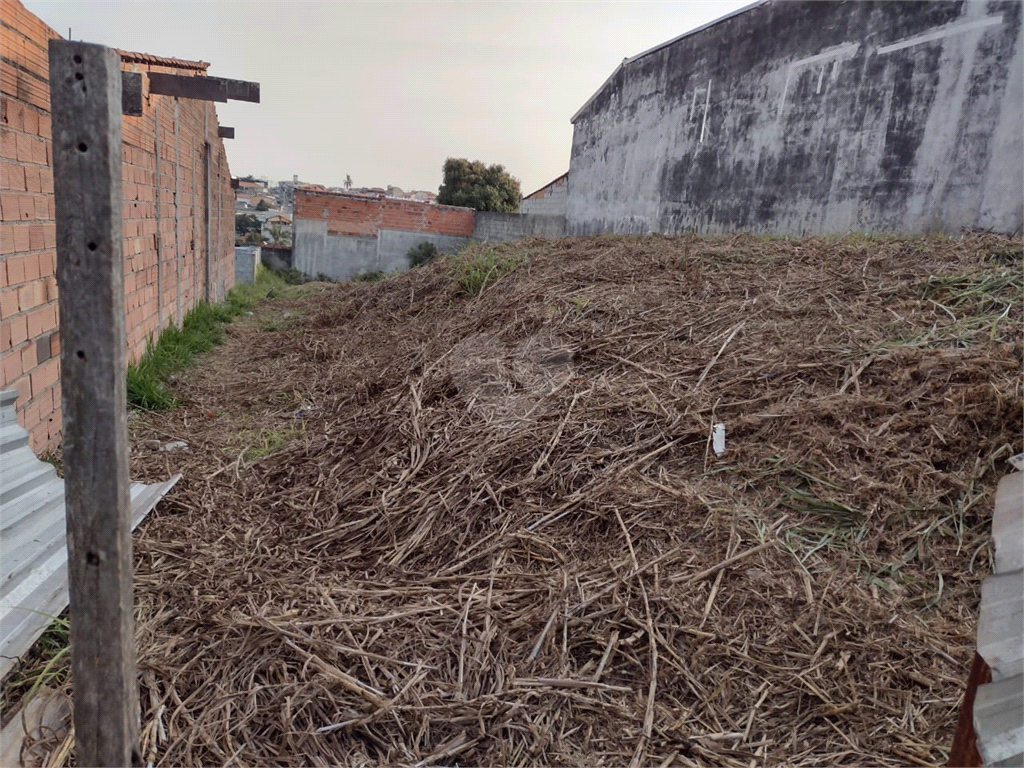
(385, 91)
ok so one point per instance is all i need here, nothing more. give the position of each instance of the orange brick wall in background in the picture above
(165, 233)
(350, 214)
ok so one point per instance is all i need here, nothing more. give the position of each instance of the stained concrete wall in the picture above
(804, 117)
(342, 257)
(339, 257)
(276, 257)
(498, 227)
(393, 246)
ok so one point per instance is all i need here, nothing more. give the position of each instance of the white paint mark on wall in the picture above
(704, 122)
(821, 76)
(940, 33)
(833, 53)
(693, 103)
(841, 51)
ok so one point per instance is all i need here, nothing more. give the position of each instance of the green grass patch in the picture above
(256, 444)
(201, 330)
(269, 441)
(475, 270)
(47, 663)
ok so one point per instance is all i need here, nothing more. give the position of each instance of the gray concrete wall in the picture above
(393, 246)
(550, 204)
(339, 257)
(246, 259)
(498, 227)
(811, 117)
(342, 257)
(276, 258)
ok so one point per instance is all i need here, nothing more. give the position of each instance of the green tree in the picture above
(246, 223)
(262, 205)
(475, 185)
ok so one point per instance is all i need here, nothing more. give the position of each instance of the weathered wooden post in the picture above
(88, 94)
(85, 97)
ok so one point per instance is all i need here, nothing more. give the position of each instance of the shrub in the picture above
(421, 254)
(370, 277)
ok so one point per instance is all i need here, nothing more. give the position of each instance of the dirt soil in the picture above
(418, 526)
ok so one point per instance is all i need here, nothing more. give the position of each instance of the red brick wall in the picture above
(362, 215)
(165, 248)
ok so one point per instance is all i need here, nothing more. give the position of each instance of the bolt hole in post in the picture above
(92, 558)
(79, 76)
(77, 59)
(80, 354)
(82, 146)
(91, 246)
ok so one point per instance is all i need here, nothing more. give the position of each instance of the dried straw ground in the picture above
(418, 526)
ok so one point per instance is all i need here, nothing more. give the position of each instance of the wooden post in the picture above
(85, 96)
(207, 213)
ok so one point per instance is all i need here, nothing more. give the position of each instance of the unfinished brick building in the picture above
(178, 228)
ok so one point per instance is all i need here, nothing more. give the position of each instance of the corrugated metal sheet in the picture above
(33, 544)
(999, 705)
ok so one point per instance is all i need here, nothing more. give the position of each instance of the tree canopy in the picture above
(475, 185)
(246, 223)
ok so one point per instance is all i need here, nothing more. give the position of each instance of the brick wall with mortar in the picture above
(164, 217)
(364, 215)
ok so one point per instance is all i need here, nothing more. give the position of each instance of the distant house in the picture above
(251, 187)
(279, 219)
(276, 220)
(267, 199)
(549, 200)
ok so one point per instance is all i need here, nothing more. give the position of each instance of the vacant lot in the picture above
(472, 514)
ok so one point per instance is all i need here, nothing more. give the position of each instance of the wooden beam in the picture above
(207, 215)
(85, 99)
(225, 132)
(131, 93)
(242, 90)
(203, 88)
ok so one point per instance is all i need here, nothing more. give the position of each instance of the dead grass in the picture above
(503, 538)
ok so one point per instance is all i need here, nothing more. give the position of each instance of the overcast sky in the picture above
(385, 91)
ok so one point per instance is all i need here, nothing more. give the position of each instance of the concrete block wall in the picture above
(810, 117)
(165, 252)
(549, 200)
(499, 227)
